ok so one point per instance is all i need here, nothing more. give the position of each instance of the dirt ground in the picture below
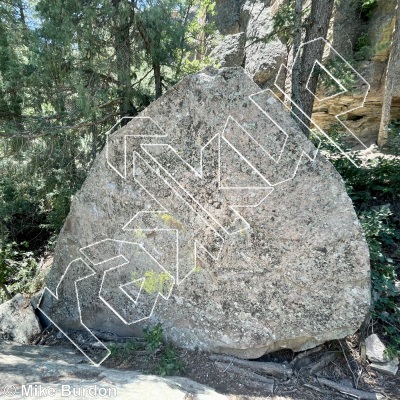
(338, 361)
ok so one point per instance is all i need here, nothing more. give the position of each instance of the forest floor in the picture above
(335, 362)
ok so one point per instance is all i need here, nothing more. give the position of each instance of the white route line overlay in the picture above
(291, 101)
(125, 261)
(124, 175)
(197, 244)
(80, 314)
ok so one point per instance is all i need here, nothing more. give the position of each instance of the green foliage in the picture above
(367, 8)
(169, 362)
(381, 233)
(393, 143)
(153, 337)
(375, 191)
(163, 358)
(123, 351)
(68, 70)
(376, 183)
(18, 270)
(329, 143)
(342, 73)
(283, 22)
(362, 48)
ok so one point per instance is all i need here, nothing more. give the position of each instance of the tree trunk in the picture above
(22, 13)
(389, 85)
(157, 79)
(318, 25)
(296, 71)
(149, 46)
(123, 53)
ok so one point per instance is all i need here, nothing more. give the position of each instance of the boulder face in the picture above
(213, 215)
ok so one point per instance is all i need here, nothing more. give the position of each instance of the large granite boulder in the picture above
(212, 214)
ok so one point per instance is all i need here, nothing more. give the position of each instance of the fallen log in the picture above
(360, 394)
(267, 383)
(276, 370)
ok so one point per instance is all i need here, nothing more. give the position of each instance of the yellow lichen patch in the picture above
(198, 269)
(173, 223)
(154, 282)
(243, 232)
(140, 233)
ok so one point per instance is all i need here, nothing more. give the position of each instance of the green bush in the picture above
(367, 8)
(393, 144)
(18, 270)
(375, 191)
(362, 48)
(153, 337)
(168, 362)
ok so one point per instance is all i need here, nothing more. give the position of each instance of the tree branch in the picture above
(30, 135)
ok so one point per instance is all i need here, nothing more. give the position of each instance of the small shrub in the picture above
(169, 363)
(375, 191)
(153, 337)
(362, 48)
(366, 8)
(18, 270)
(123, 351)
(380, 232)
(393, 144)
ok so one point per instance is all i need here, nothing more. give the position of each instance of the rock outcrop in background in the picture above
(251, 247)
(244, 21)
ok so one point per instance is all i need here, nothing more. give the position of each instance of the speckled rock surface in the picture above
(230, 50)
(263, 58)
(245, 24)
(236, 237)
(18, 321)
(32, 372)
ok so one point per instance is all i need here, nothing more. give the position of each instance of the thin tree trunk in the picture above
(296, 71)
(182, 40)
(122, 47)
(389, 85)
(22, 13)
(149, 46)
(157, 79)
(94, 141)
(321, 12)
